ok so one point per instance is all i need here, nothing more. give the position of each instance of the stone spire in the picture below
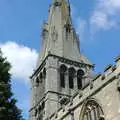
(59, 36)
(60, 66)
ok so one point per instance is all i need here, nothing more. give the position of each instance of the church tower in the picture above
(61, 68)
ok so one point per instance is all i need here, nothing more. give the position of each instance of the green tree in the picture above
(8, 108)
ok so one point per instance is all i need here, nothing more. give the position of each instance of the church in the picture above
(63, 86)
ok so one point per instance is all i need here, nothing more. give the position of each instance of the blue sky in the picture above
(96, 21)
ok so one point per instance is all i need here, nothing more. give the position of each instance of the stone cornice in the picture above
(63, 60)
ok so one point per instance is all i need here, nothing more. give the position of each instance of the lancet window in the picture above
(63, 70)
(71, 72)
(80, 74)
(68, 28)
(41, 77)
(44, 72)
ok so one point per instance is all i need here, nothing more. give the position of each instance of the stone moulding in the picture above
(61, 59)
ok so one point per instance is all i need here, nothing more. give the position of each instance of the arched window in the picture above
(71, 72)
(92, 111)
(68, 28)
(43, 105)
(44, 72)
(37, 81)
(41, 77)
(63, 69)
(80, 75)
(40, 108)
(36, 112)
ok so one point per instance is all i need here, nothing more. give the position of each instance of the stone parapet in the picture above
(109, 75)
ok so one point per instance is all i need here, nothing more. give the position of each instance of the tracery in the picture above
(92, 111)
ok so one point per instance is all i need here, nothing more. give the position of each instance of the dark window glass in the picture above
(71, 77)
(68, 28)
(41, 77)
(37, 80)
(80, 75)
(44, 72)
(62, 79)
(63, 69)
(71, 82)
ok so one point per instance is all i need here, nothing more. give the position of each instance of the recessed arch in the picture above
(71, 72)
(37, 80)
(41, 75)
(91, 110)
(80, 74)
(44, 72)
(68, 27)
(63, 70)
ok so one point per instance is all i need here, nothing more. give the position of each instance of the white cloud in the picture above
(22, 59)
(105, 15)
(80, 23)
(80, 26)
(110, 6)
(101, 20)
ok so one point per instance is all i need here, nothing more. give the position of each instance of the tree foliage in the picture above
(8, 108)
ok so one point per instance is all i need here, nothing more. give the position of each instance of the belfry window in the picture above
(57, 4)
(44, 73)
(63, 69)
(92, 111)
(80, 75)
(71, 72)
(68, 28)
(37, 81)
(41, 77)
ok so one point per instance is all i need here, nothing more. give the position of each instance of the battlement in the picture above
(111, 73)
